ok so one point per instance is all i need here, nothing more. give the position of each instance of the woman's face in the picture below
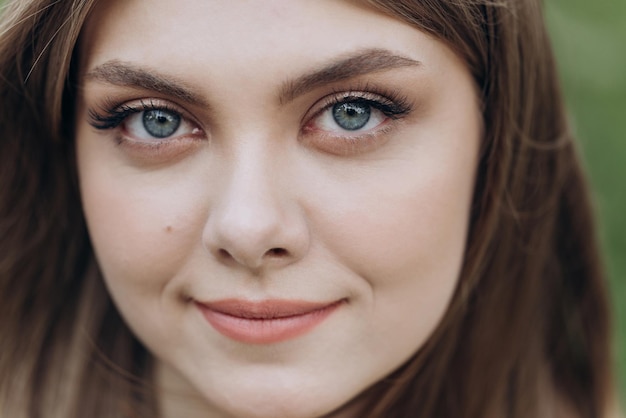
(278, 193)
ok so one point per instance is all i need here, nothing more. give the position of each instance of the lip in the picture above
(265, 322)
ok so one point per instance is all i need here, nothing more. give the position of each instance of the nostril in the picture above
(276, 252)
(224, 254)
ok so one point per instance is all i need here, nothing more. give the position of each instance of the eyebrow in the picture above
(363, 62)
(360, 63)
(126, 74)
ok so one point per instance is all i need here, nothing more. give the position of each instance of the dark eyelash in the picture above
(391, 103)
(389, 109)
(111, 117)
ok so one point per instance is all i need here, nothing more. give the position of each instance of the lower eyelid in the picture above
(348, 145)
(186, 130)
(149, 153)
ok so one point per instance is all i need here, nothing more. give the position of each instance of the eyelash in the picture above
(114, 115)
(390, 103)
(119, 119)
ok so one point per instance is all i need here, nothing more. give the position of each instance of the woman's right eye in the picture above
(146, 123)
(153, 124)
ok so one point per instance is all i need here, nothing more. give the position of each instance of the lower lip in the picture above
(266, 331)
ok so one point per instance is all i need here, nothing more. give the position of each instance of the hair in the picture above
(527, 333)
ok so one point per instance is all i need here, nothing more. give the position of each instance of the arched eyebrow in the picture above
(126, 74)
(357, 64)
(360, 63)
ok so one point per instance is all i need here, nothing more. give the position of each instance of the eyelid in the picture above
(390, 103)
(111, 114)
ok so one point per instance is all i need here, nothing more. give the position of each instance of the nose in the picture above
(255, 223)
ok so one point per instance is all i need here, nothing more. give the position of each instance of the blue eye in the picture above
(160, 123)
(149, 122)
(351, 116)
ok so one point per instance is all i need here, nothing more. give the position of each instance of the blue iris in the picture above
(160, 123)
(352, 116)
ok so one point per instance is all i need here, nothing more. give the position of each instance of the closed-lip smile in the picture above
(267, 321)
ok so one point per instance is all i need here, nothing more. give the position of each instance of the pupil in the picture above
(351, 115)
(160, 123)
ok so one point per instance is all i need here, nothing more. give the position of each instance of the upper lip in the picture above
(265, 309)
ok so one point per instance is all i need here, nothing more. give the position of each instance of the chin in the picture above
(280, 405)
(249, 392)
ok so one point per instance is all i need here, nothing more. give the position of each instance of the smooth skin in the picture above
(253, 190)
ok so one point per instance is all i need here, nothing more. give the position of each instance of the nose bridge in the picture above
(255, 222)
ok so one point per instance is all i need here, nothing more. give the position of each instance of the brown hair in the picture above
(526, 335)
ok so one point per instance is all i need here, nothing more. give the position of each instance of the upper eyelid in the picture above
(401, 104)
(330, 100)
(369, 92)
(354, 96)
(124, 109)
(140, 105)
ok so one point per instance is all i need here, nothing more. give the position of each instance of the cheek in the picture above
(404, 232)
(411, 225)
(142, 228)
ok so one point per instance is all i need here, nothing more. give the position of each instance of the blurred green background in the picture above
(589, 38)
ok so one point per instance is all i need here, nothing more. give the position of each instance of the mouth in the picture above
(268, 321)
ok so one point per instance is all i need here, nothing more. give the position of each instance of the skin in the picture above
(260, 195)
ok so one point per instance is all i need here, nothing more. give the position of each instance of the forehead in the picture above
(276, 34)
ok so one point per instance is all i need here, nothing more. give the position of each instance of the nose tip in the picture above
(256, 232)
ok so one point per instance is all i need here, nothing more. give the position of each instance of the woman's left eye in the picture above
(355, 120)
(349, 117)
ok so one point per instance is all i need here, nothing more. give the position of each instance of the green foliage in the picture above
(589, 38)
